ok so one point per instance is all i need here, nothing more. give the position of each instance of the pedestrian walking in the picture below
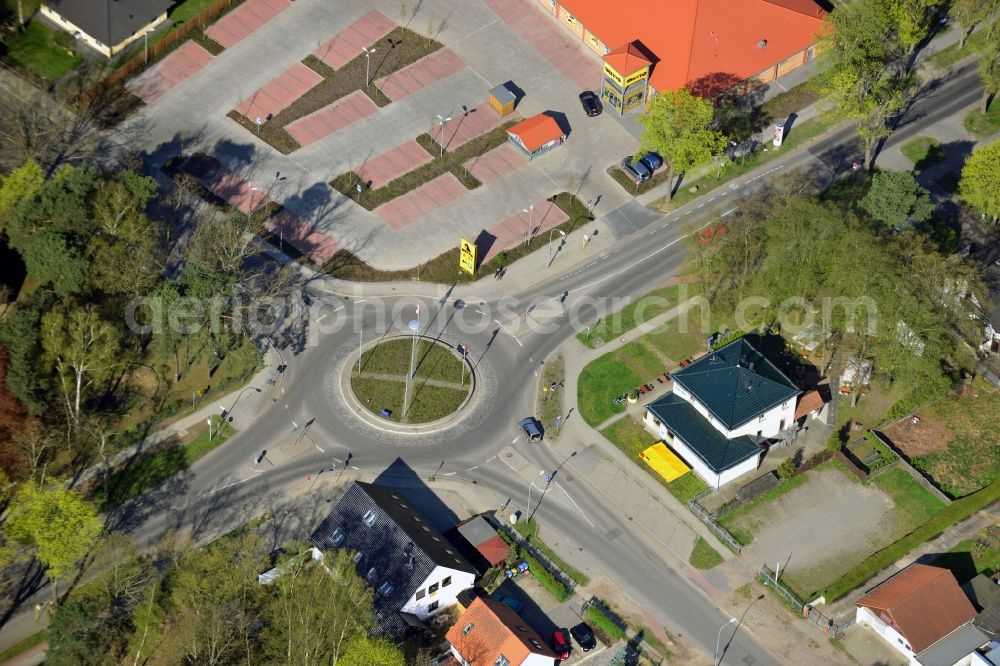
(38, 612)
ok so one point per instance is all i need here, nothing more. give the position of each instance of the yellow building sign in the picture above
(467, 257)
(637, 76)
(610, 72)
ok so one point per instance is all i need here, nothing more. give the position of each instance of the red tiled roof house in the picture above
(490, 633)
(922, 613)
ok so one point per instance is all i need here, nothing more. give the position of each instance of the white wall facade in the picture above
(94, 43)
(445, 595)
(768, 424)
(532, 659)
(715, 480)
(868, 618)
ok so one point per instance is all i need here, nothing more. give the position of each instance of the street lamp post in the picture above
(561, 233)
(441, 123)
(368, 61)
(718, 640)
(229, 413)
(145, 47)
(530, 210)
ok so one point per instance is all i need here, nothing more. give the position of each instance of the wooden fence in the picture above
(156, 49)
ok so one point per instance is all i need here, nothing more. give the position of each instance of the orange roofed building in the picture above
(706, 46)
(536, 135)
(490, 633)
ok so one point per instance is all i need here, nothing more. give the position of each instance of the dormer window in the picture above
(468, 628)
(337, 538)
(357, 557)
(370, 576)
(385, 589)
(369, 518)
(501, 661)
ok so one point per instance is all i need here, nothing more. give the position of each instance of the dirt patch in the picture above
(818, 528)
(919, 436)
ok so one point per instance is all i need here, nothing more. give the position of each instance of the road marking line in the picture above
(230, 485)
(701, 205)
(355, 467)
(519, 344)
(576, 505)
(728, 212)
(320, 450)
(450, 474)
(360, 300)
(319, 319)
(514, 441)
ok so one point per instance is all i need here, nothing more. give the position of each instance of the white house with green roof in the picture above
(722, 410)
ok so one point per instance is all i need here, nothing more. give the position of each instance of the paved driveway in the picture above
(185, 61)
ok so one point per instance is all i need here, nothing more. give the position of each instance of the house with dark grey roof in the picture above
(107, 26)
(413, 570)
(722, 409)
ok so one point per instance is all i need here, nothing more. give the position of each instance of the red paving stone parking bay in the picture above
(300, 234)
(182, 63)
(331, 118)
(466, 127)
(292, 229)
(280, 92)
(413, 205)
(512, 232)
(393, 164)
(441, 64)
(346, 44)
(496, 163)
(240, 23)
(551, 40)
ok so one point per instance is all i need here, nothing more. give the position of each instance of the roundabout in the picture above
(411, 380)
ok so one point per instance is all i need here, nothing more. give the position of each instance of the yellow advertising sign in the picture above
(610, 72)
(638, 76)
(467, 257)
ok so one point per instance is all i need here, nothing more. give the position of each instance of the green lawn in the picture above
(632, 438)
(156, 467)
(983, 553)
(188, 9)
(703, 556)
(603, 380)
(969, 461)
(980, 125)
(23, 646)
(923, 151)
(433, 360)
(430, 403)
(649, 306)
(678, 339)
(914, 504)
(549, 406)
(46, 53)
(948, 56)
(529, 530)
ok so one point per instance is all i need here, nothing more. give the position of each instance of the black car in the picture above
(590, 102)
(532, 427)
(637, 171)
(584, 637)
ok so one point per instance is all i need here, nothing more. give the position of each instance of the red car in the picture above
(560, 643)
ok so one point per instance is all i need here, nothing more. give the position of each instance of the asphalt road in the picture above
(221, 490)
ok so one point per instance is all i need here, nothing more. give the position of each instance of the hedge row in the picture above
(604, 624)
(955, 512)
(544, 577)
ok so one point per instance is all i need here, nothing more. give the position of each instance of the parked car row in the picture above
(581, 633)
(642, 169)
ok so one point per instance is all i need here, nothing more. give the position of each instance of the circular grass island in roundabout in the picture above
(440, 385)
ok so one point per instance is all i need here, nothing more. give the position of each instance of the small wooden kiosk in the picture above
(502, 100)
